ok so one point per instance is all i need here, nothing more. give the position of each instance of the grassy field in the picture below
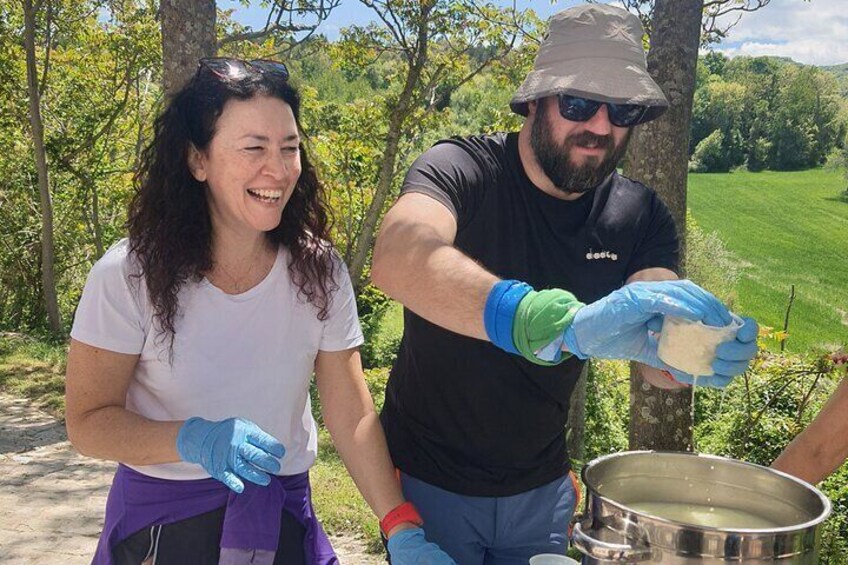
(785, 228)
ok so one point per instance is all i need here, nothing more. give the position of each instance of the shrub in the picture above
(709, 155)
(376, 380)
(381, 351)
(834, 548)
(759, 413)
(607, 408)
(758, 153)
(709, 263)
(372, 305)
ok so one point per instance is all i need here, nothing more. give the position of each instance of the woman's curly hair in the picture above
(169, 224)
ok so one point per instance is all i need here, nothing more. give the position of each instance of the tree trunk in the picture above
(48, 277)
(188, 35)
(388, 161)
(658, 157)
(366, 238)
(95, 221)
(576, 437)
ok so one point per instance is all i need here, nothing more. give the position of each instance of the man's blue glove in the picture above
(230, 450)
(623, 325)
(732, 358)
(410, 547)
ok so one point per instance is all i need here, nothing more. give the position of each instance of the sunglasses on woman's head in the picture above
(579, 109)
(228, 68)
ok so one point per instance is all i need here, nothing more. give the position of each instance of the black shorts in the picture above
(195, 541)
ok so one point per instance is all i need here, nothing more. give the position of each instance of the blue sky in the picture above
(814, 32)
(353, 12)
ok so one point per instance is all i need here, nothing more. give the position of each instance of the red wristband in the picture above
(405, 512)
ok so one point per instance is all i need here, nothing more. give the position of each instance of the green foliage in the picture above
(607, 408)
(454, 41)
(718, 107)
(98, 76)
(376, 380)
(710, 156)
(481, 107)
(771, 113)
(713, 63)
(757, 415)
(806, 123)
(835, 542)
(372, 305)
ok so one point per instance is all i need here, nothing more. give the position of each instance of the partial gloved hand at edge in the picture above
(410, 547)
(230, 450)
(623, 325)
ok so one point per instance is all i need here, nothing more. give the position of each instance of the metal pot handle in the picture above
(607, 551)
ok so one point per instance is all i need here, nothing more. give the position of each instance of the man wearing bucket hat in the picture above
(478, 398)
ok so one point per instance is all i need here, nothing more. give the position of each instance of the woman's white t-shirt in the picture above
(249, 355)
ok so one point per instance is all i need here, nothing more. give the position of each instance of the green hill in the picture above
(841, 74)
(785, 228)
(838, 70)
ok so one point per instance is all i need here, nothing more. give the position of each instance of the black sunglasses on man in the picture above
(579, 109)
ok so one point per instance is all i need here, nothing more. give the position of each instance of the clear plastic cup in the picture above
(690, 346)
(552, 559)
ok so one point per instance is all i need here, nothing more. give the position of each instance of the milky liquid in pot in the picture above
(704, 515)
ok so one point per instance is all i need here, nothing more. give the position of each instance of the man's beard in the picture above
(555, 158)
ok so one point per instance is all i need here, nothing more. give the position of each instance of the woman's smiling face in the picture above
(251, 165)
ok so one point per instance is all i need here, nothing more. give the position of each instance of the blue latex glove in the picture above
(230, 450)
(410, 547)
(732, 358)
(624, 324)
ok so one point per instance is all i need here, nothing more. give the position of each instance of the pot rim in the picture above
(823, 515)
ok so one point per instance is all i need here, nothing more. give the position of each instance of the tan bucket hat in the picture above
(593, 51)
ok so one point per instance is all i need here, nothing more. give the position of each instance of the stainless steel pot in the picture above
(611, 531)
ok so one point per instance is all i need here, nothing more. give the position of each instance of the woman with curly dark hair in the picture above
(196, 338)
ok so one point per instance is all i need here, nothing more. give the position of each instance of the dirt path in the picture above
(52, 499)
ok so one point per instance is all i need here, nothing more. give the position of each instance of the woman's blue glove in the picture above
(623, 325)
(410, 547)
(230, 450)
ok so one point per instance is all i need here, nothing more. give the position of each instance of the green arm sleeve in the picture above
(541, 318)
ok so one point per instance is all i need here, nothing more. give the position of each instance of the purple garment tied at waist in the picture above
(251, 519)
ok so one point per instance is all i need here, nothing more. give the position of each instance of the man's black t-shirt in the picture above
(460, 413)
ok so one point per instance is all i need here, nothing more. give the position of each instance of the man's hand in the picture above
(625, 323)
(732, 358)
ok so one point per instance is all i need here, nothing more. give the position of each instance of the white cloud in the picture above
(814, 33)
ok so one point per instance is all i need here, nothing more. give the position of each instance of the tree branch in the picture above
(274, 23)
